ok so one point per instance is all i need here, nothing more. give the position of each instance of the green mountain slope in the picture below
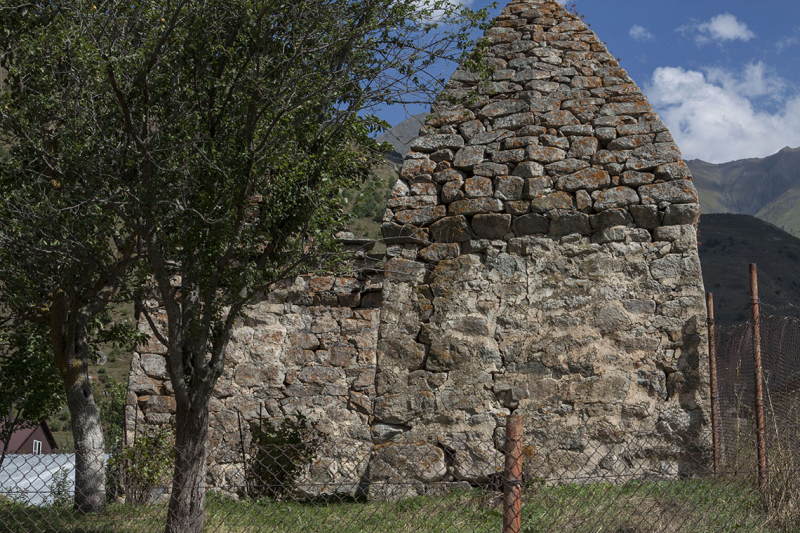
(768, 188)
(728, 244)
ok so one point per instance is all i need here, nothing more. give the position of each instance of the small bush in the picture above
(279, 455)
(137, 471)
(60, 485)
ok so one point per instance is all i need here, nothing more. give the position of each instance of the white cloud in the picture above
(433, 4)
(724, 27)
(639, 33)
(718, 115)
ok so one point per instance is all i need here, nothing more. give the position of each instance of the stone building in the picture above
(542, 259)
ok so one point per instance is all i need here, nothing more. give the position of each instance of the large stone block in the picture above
(491, 226)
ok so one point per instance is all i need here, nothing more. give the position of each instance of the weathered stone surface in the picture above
(471, 128)
(515, 121)
(531, 224)
(502, 107)
(468, 157)
(490, 170)
(508, 187)
(443, 117)
(584, 147)
(651, 156)
(155, 366)
(491, 226)
(420, 217)
(452, 191)
(509, 156)
(529, 169)
(589, 179)
(413, 167)
(451, 229)
(517, 207)
(583, 201)
(611, 217)
(556, 119)
(646, 216)
(567, 166)
(682, 214)
(631, 178)
(563, 222)
(545, 154)
(439, 252)
(474, 206)
(616, 197)
(432, 143)
(673, 171)
(674, 192)
(548, 202)
(478, 187)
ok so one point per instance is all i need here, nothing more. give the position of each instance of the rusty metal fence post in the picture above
(759, 392)
(512, 477)
(712, 370)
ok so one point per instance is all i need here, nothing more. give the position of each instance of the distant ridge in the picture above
(767, 188)
(728, 244)
(401, 135)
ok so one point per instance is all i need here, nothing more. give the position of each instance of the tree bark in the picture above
(68, 334)
(90, 488)
(188, 498)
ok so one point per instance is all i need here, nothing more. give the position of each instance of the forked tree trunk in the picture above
(188, 499)
(90, 488)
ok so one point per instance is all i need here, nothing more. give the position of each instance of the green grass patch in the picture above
(633, 507)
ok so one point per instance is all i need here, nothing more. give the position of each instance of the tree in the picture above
(30, 387)
(63, 252)
(222, 133)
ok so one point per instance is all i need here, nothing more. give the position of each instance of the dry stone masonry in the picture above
(542, 258)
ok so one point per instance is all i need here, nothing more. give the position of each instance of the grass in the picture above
(637, 506)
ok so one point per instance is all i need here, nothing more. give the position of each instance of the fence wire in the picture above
(636, 483)
(289, 479)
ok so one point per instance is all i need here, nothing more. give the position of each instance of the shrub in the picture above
(279, 454)
(137, 471)
(60, 485)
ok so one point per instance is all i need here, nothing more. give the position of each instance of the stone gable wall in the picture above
(542, 258)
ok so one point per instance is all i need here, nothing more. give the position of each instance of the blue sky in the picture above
(724, 75)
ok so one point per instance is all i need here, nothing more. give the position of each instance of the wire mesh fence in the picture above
(632, 483)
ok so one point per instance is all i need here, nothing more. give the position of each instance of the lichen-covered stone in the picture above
(432, 143)
(468, 157)
(420, 217)
(478, 187)
(439, 252)
(554, 200)
(451, 229)
(674, 192)
(474, 206)
(413, 167)
(545, 154)
(646, 216)
(589, 179)
(529, 169)
(508, 187)
(682, 214)
(616, 197)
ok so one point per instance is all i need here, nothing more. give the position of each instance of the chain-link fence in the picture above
(737, 426)
(295, 483)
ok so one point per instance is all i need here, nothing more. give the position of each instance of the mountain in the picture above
(728, 244)
(401, 136)
(767, 188)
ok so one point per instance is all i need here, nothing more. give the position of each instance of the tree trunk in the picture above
(90, 487)
(188, 499)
